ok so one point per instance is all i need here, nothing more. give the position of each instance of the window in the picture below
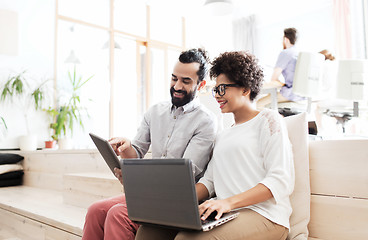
(128, 53)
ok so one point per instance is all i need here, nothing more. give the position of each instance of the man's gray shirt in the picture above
(184, 132)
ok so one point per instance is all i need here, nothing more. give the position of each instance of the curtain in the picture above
(350, 28)
(341, 14)
(358, 29)
(244, 34)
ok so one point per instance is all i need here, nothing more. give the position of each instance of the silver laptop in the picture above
(162, 192)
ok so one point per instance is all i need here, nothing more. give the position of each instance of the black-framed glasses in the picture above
(221, 89)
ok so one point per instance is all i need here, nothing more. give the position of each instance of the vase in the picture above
(28, 143)
(49, 144)
(65, 143)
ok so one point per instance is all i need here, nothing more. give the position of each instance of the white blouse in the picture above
(257, 151)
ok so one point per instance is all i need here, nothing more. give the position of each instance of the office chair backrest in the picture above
(308, 73)
(352, 79)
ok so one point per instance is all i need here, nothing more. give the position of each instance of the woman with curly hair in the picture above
(252, 167)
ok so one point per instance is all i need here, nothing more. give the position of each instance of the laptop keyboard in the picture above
(207, 221)
(210, 218)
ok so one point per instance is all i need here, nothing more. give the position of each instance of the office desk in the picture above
(272, 90)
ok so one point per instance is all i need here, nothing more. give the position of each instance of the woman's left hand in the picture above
(209, 206)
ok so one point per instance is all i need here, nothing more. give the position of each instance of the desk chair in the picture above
(352, 81)
(306, 83)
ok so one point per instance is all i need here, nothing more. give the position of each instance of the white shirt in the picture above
(184, 132)
(257, 151)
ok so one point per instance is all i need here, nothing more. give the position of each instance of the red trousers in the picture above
(108, 219)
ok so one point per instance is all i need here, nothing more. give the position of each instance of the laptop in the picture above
(162, 192)
(106, 151)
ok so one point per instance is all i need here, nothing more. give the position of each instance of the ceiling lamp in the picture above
(72, 58)
(107, 45)
(219, 7)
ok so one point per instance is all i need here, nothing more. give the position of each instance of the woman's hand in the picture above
(209, 206)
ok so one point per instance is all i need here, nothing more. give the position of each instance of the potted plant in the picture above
(51, 141)
(17, 90)
(68, 113)
(3, 126)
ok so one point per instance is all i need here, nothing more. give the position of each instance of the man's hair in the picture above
(198, 55)
(241, 68)
(291, 34)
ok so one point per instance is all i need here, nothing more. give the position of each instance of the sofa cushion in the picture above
(10, 158)
(10, 168)
(12, 175)
(11, 182)
(297, 126)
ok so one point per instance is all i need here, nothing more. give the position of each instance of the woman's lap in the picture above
(248, 225)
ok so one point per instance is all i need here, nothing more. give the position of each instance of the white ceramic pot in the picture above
(65, 143)
(28, 143)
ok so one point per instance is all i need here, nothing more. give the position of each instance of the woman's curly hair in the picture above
(241, 68)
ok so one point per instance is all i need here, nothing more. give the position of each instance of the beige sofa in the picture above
(330, 199)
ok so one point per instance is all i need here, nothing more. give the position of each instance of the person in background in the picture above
(182, 128)
(252, 166)
(285, 65)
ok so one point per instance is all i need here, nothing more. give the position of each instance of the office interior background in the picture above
(128, 49)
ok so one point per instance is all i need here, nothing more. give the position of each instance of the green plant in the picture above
(65, 115)
(3, 122)
(3, 127)
(18, 88)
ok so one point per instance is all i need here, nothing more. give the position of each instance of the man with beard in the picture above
(182, 128)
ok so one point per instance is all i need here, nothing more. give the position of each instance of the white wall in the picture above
(35, 55)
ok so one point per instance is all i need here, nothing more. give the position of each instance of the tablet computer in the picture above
(106, 151)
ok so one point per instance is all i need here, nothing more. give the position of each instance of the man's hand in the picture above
(275, 81)
(118, 174)
(123, 147)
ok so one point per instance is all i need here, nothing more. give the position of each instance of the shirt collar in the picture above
(189, 106)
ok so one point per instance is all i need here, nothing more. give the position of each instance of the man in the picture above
(180, 129)
(285, 65)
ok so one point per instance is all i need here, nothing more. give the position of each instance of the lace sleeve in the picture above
(273, 123)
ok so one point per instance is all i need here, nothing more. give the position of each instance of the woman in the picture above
(251, 168)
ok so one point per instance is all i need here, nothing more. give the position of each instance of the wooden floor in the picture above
(39, 208)
(58, 187)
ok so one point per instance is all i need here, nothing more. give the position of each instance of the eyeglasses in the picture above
(220, 89)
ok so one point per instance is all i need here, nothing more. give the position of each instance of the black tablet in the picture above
(106, 151)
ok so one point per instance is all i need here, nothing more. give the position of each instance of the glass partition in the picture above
(81, 49)
(130, 17)
(125, 92)
(159, 85)
(91, 11)
(166, 27)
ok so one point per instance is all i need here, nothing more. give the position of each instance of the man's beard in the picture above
(178, 102)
